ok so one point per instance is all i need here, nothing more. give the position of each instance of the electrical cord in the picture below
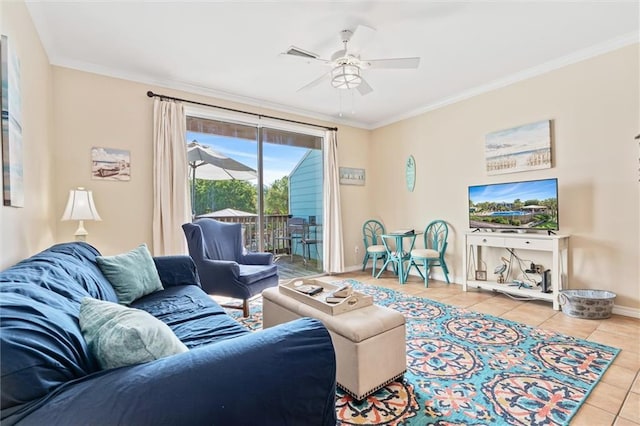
(520, 299)
(471, 260)
(525, 276)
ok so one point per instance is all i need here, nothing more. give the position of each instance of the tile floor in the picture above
(616, 398)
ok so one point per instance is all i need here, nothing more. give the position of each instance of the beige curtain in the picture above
(332, 248)
(170, 178)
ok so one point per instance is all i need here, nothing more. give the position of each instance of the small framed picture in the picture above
(351, 176)
(110, 164)
(481, 275)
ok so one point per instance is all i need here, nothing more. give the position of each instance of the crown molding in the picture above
(575, 57)
(201, 91)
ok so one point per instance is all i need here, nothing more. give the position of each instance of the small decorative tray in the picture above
(355, 301)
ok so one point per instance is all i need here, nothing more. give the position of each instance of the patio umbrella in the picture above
(208, 164)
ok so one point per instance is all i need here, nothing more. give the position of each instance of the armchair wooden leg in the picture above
(245, 308)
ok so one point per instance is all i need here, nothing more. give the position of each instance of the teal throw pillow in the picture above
(131, 274)
(118, 336)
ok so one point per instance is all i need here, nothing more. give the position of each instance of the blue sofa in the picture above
(280, 376)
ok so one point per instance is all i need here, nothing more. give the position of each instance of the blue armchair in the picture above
(224, 266)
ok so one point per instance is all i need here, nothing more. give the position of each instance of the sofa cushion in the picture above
(119, 336)
(193, 316)
(132, 274)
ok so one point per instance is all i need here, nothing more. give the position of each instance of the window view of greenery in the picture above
(276, 199)
(236, 194)
(240, 195)
(210, 195)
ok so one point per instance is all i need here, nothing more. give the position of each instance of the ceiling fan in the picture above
(346, 63)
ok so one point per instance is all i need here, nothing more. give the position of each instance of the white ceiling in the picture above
(230, 49)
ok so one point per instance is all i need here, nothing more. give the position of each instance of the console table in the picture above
(557, 245)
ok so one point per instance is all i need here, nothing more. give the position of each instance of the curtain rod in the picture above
(151, 95)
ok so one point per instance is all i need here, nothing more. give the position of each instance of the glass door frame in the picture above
(259, 123)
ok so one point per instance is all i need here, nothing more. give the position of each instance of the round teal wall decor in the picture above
(410, 171)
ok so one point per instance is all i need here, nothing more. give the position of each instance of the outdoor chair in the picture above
(435, 246)
(310, 237)
(224, 266)
(290, 237)
(373, 247)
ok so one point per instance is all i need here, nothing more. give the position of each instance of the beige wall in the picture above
(595, 110)
(24, 231)
(93, 110)
(593, 105)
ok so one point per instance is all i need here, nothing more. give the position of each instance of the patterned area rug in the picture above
(467, 368)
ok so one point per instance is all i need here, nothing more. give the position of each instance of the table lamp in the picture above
(80, 207)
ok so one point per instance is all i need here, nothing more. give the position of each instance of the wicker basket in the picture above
(588, 304)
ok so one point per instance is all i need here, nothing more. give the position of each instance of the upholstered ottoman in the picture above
(369, 342)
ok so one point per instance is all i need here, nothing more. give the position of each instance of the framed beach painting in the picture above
(351, 176)
(12, 162)
(519, 149)
(110, 164)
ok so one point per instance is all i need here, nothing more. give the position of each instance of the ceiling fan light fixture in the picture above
(346, 76)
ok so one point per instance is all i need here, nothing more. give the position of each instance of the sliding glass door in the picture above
(265, 178)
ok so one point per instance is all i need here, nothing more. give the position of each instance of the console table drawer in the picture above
(531, 244)
(484, 240)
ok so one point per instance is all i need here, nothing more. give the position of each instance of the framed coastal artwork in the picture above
(351, 176)
(12, 162)
(519, 149)
(110, 164)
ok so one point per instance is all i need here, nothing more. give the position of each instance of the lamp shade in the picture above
(346, 76)
(80, 206)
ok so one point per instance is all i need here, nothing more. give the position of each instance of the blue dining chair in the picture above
(435, 245)
(373, 247)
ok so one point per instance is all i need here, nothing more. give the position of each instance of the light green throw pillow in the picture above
(118, 336)
(132, 274)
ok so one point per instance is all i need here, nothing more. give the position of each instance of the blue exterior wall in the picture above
(305, 194)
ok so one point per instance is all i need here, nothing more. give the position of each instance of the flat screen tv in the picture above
(526, 205)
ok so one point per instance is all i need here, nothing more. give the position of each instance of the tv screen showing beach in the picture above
(528, 205)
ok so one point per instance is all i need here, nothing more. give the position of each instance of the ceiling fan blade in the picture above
(364, 88)
(302, 55)
(296, 51)
(401, 63)
(361, 37)
(315, 82)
